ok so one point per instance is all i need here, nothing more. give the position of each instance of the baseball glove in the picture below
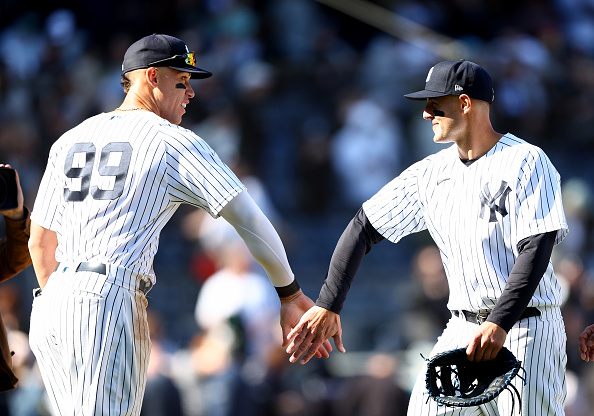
(453, 380)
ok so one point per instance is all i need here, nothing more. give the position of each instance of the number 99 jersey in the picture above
(113, 182)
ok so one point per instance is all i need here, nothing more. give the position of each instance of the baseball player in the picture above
(492, 204)
(110, 186)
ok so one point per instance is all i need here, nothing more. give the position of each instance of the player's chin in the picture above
(177, 118)
(436, 134)
(439, 138)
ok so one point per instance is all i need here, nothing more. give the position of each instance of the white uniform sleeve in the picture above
(197, 176)
(260, 237)
(396, 210)
(540, 208)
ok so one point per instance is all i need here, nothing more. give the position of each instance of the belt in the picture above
(144, 285)
(86, 266)
(479, 318)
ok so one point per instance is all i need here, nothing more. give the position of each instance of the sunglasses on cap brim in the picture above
(189, 58)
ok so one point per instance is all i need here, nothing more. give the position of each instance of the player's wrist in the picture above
(288, 292)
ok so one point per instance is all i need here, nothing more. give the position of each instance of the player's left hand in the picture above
(586, 344)
(486, 342)
(292, 309)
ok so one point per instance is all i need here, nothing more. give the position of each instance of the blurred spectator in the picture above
(21, 46)
(241, 301)
(578, 303)
(30, 397)
(237, 309)
(314, 166)
(578, 202)
(577, 402)
(221, 131)
(162, 397)
(294, 24)
(382, 74)
(366, 150)
(374, 394)
(254, 85)
(427, 312)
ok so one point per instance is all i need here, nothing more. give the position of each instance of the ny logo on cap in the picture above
(489, 201)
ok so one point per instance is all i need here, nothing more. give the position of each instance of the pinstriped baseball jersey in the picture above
(110, 186)
(476, 215)
(116, 179)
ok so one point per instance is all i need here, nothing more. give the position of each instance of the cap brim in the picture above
(421, 95)
(197, 73)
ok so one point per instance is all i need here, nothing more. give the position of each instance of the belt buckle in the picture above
(481, 317)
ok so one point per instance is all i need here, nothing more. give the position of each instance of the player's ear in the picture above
(465, 102)
(151, 75)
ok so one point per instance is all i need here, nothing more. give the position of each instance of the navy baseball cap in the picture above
(162, 50)
(456, 78)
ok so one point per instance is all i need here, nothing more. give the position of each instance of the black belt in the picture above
(86, 266)
(479, 318)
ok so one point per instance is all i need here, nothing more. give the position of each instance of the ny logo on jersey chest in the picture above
(495, 203)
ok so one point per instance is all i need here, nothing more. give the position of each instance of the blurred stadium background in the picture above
(306, 106)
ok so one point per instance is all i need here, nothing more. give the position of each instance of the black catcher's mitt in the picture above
(453, 380)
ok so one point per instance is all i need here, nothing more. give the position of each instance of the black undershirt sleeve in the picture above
(354, 243)
(530, 266)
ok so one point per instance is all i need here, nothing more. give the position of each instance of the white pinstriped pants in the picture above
(538, 342)
(90, 336)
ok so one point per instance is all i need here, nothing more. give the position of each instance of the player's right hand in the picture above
(485, 343)
(316, 326)
(586, 344)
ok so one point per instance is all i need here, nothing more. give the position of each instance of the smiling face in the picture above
(445, 113)
(174, 94)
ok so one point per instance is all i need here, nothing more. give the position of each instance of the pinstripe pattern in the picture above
(476, 215)
(110, 186)
(169, 166)
(92, 340)
(442, 195)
